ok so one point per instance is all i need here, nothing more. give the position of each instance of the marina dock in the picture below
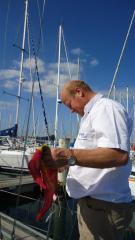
(21, 231)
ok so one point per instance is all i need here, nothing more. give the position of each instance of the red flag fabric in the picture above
(46, 178)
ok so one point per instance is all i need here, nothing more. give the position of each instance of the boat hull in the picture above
(14, 159)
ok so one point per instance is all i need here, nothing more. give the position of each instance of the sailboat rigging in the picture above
(113, 87)
(15, 158)
(58, 100)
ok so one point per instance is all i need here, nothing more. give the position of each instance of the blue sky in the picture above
(94, 31)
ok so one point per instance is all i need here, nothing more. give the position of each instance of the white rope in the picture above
(66, 54)
(41, 18)
(5, 32)
(121, 55)
(32, 82)
(26, 136)
(20, 195)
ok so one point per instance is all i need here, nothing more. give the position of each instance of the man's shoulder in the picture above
(104, 101)
(107, 106)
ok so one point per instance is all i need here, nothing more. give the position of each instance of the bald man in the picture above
(99, 164)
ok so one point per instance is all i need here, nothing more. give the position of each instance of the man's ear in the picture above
(79, 92)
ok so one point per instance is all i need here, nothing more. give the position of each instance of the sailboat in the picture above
(132, 155)
(16, 157)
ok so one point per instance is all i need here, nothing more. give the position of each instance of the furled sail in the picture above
(12, 132)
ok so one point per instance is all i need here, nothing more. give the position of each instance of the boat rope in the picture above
(5, 32)
(23, 157)
(121, 54)
(64, 42)
(1, 234)
(32, 81)
(41, 20)
(22, 130)
(41, 230)
(19, 195)
(61, 40)
(70, 209)
(40, 89)
(70, 237)
(33, 199)
(33, 47)
(49, 224)
(36, 126)
(40, 39)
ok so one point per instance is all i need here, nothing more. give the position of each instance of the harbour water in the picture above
(59, 223)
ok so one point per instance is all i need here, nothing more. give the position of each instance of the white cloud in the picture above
(9, 78)
(6, 105)
(9, 84)
(94, 62)
(48, 76)
(9, 74)
(31, 63)
(77, 51)
(85, 57)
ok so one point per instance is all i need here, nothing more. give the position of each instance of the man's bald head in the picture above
(75, 94)
(70, 87)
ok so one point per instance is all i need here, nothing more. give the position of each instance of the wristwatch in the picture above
(71, 161)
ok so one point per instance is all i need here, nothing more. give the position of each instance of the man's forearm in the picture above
(94, 158)
(100, 157)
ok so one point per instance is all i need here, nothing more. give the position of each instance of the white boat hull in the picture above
(132, 180)
(15, 159)
(132, 186)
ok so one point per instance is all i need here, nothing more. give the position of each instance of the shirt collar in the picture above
(92, 101)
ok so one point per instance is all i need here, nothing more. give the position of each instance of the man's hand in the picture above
(55, 157)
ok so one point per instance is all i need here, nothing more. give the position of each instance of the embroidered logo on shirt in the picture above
(83, 136)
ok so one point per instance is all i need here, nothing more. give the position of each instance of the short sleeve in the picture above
(110, 123)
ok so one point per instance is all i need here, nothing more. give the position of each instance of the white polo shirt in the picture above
(105, 124)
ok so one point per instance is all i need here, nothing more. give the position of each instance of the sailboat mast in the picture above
(0, 120)
(57, 93)
(21, 63)
(78, 68)
(114, 92)
(127, 98)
